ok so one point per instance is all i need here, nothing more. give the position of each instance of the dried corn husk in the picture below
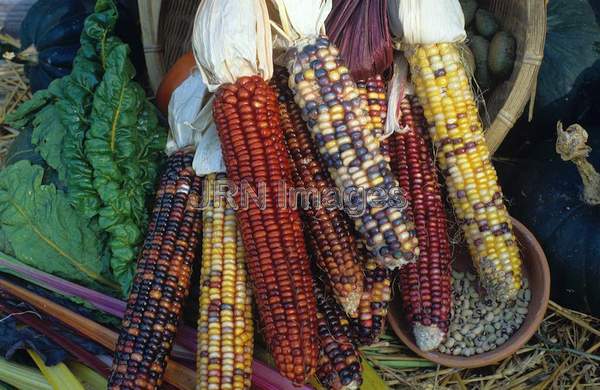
(240, 47)
(191, 122)
(302, 20)
(359, 28)
(427, 21)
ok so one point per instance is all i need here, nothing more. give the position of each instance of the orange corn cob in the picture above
(335, 247)
(372, 311)
(161, 281)
(247, 117)
(425, 285)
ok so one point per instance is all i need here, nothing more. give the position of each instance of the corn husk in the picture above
(420, 22)
(301, 20)
(232, 39)
(398, 87)
(191, 123)
(359, 28)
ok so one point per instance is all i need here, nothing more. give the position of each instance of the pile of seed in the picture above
(479, 323)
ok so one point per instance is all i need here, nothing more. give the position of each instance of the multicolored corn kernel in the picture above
(372, 311)
(335, 247)
(374, 91)
(342, 130)
(444, 90)
(425, 285)
(161, 281)
(225, 326)
(339, 362)
(248, 123)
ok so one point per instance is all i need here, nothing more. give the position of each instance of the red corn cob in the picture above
(329, 229)
(247, 117)
(162, 280)
(339, 362)
(425, 285)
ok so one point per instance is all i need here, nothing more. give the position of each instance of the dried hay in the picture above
(14, 89)
(563, 354)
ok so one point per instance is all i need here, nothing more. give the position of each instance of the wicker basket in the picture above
(167, 27)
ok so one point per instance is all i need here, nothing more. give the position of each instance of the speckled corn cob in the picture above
(225, 327)
(373, 90)
(247, 117)
(426, 284)
(443, 88)
(340, 125)
(335, 247)
(161, 281)
(372, 311)
(339, 362)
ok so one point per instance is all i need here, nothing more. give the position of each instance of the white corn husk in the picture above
(191, 123)
(420, 22)
(232, 39)
(397, 89)
(301, 20)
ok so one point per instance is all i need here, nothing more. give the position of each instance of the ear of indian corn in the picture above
(340, 125)
(225, 328)
(247, 117)
(161, 281)
(373, 91)
(372, 311)
(425, 285)
(334, 245)
(443, 88)
(339, 361)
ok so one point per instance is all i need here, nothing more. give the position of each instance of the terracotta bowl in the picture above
(535, 268)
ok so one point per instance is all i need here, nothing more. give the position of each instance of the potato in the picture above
(502, 53)
(486, 23)
(480, 48)
(469, 7)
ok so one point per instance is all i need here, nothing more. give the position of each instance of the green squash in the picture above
(548, 196)
(569, 79)
(50, 38)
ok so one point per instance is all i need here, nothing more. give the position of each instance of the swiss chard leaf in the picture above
(122, 146)
(48, 134)
(44, 231)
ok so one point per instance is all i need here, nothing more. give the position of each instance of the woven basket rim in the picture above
(522, 90)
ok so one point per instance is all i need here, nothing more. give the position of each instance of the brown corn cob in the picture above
(425, 285)
(339, 362)
(373, 91)
(340, 125)
(335, 247)
(161, 281)
(372, 311)
(247, 117)
(225, 327)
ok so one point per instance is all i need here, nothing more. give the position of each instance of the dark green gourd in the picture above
(50, 38)
(564, 214)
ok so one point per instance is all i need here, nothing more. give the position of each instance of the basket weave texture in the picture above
(524, 19)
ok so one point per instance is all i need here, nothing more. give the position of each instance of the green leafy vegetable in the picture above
(45, 232)
(98, 131)
(49, 134)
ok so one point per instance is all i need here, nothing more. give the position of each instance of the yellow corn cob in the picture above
(225, 328)
(457, 132)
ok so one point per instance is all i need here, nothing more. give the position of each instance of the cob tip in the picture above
(351, 302)
(429, 337)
